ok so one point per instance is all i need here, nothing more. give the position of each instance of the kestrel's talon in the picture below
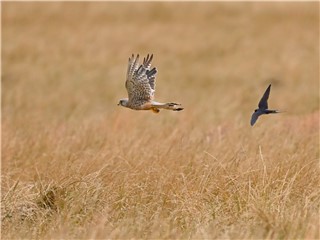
(155, 110)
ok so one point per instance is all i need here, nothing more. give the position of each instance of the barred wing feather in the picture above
(140, 81)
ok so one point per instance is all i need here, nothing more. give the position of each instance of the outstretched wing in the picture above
(140, 81)
(263, 104)
(254, 118)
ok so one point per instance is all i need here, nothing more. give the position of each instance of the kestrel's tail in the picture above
(169, 106)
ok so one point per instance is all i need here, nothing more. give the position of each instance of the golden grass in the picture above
(74, 165)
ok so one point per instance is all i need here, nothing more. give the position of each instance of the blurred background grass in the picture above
(211, 54)
(64, 67)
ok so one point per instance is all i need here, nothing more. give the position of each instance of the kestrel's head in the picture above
(123, 102)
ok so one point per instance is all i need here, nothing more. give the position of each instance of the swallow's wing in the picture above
(254, 117)
(263, 104)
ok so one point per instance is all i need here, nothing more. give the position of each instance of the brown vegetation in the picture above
(75, 165)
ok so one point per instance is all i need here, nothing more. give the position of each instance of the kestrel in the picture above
(263, 107)
(140, 84)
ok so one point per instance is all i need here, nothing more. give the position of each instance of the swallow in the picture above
(263, 107)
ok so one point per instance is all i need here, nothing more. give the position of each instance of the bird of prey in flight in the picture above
(140, 85)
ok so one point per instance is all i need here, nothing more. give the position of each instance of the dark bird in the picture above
(263, 107)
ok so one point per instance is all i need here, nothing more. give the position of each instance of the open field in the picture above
(75, 165)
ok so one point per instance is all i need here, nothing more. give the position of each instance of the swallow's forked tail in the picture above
(274, 111)
(156, 106)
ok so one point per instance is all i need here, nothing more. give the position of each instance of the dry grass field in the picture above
(76, 165)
